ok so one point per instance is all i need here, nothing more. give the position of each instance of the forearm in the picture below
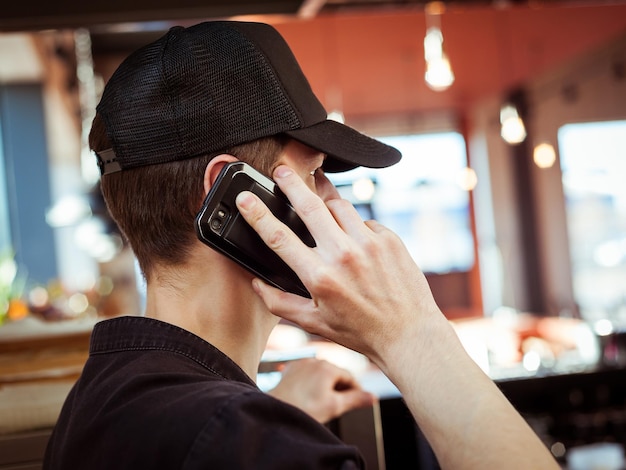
(357, 276)
(466, 419)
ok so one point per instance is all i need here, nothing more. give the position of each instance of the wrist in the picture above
(424, 347)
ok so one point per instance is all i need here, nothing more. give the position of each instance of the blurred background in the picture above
(511, 196)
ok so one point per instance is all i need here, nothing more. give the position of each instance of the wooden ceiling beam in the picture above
(29, 15)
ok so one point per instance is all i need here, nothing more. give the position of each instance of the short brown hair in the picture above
(155, 206)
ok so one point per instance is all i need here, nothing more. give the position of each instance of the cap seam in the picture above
(173, 35)
(278, 78)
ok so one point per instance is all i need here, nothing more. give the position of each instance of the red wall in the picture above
(376, 59)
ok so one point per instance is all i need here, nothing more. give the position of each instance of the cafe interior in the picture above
(511, 197)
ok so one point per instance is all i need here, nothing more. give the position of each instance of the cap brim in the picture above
(345, 147)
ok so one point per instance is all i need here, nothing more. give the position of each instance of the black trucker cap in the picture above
(214, 85)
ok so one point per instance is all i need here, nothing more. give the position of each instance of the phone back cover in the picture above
(236, 239)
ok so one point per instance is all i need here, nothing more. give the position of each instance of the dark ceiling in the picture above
(23, 15)
(123, 25)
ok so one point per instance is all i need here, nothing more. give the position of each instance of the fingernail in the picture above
(282, 172)
(245, 200)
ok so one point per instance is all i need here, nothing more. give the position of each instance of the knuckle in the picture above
(338, 203)
(277, 239)
(391, 241)
(343, 203)
(323, 280)
(353, 256)
(256, 214)
(382, 238)
(348, 258)
(309, 207)
(372, 248)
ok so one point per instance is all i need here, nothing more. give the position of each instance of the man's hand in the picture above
(358, 273)
(321, 389)
(369, 295)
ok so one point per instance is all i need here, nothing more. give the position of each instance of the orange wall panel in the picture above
(374, 61)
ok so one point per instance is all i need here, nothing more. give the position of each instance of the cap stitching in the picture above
(276, 75)
(171, 36)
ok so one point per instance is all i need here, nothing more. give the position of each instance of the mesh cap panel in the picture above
(214, 85)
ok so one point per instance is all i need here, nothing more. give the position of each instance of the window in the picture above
(5, 234)
(421, 198)
(593, 162)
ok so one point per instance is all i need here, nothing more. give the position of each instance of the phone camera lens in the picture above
(219, 219)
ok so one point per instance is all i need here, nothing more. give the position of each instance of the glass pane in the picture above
(593, 161)
(5, 234)
(421, 199)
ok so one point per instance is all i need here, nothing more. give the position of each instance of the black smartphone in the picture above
(220, 225)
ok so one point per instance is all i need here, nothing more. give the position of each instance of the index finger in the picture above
(309, 206)
(275, 234)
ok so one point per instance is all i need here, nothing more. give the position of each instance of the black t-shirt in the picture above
(155, 396)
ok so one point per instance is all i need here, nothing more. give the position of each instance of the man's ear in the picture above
(213, 169)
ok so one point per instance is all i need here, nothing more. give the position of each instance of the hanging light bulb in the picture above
(439, 75)
(544, 155)
(512, 130)
(363, 189)
(467, 179)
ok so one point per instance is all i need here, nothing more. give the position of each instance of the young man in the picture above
(175, 389)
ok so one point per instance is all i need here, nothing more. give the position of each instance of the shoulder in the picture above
(254, 430)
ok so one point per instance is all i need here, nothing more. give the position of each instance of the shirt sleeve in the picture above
(256, 431)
